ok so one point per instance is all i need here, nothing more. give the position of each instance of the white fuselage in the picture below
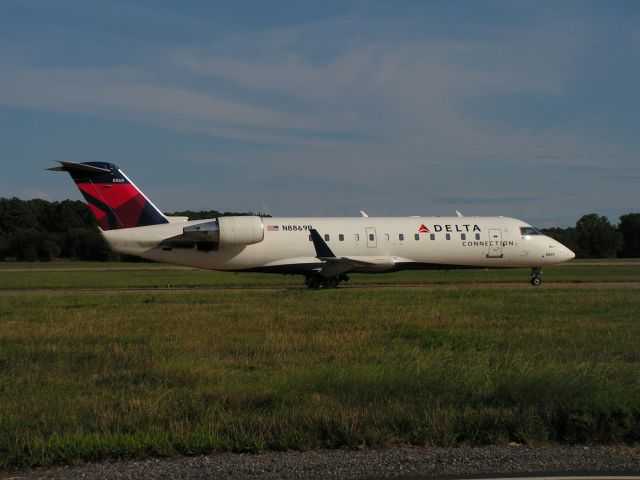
(389, 244)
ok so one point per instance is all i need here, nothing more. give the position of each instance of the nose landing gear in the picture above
(535, 277)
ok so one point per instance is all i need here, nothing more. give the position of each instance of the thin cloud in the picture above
(30, 193)
(386, 88)
(390, 111)
(484, 200)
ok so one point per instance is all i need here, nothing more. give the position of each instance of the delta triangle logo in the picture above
(423, 229)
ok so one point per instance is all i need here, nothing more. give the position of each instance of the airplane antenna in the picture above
(459, 214)
(363, 214)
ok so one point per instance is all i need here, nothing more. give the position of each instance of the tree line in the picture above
(32, 230)
(39, 230)
(594, 236)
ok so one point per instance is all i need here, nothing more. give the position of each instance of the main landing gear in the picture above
(315, 282)
(535, 279)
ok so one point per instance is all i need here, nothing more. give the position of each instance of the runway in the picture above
(272, 288)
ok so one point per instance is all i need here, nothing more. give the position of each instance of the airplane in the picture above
(323, 250)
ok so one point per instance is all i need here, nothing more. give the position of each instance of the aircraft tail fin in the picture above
(113, 199)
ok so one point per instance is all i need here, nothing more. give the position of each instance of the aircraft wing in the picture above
(332, 265)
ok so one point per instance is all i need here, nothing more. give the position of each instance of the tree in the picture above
(629, 228)
(596, 237)
(205, 214)
(48, 250)
(4, 248)
(23, 244)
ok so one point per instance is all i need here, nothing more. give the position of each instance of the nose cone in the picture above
(560, 252)
(569, 254)
(564, 253)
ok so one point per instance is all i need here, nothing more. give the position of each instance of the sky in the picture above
(306, 108)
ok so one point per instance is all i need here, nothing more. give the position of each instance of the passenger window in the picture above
(356, 237)
(326, 237)
(401, 236)
(432, 236)
(341, 237)
(477, 236)
(371, 237)
(417, 236)
(463, 236)
(310, 239)
(448, 236)
(386, 237)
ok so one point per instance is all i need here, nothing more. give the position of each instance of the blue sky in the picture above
(525, 109)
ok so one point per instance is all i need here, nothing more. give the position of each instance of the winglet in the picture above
(322, 249)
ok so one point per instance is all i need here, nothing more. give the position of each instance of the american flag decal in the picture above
(272, 228)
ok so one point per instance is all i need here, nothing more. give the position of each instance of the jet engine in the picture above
(227, 231)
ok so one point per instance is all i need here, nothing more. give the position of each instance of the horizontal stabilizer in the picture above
(176, 219)
(70, 166)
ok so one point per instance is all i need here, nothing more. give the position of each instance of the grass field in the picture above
(93, 375)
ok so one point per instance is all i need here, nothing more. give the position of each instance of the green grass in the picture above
(117, 275)
(94, 375)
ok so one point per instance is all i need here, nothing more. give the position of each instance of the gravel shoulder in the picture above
(396, 462)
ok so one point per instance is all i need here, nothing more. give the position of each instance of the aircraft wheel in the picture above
(312, 282)
(332, 282)
(535, 276)
(315, 282)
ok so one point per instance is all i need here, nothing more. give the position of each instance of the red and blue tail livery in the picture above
(114, 200)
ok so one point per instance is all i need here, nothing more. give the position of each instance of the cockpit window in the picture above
(529, 231)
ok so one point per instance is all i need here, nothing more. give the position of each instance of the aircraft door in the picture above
(371, 237)
(495, 243)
